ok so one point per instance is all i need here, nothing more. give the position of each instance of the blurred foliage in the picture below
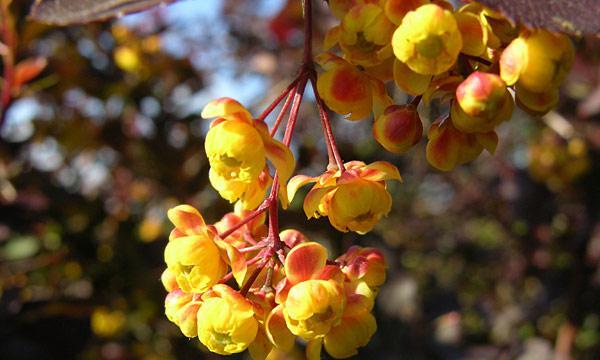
(486, 262)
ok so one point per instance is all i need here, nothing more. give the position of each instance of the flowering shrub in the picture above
(244, 284)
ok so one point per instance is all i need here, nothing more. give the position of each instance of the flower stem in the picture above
(264, 206)
(284, 108)
(326, 125)
(276, 102)
(8, 38)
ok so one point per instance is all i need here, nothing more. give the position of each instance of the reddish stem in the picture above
(326, 124)
(276, 102)
(264, 206)
(284, 108)
(8, 57)
(307, 31)
(244, 290)
(258, 246)
(291, 124)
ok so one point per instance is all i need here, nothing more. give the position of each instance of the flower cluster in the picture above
(325, 303)
(468, 57)
(241, 283)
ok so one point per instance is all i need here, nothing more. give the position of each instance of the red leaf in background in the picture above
(287, 22)
(67, 12)
(26, 70)
(576, 17)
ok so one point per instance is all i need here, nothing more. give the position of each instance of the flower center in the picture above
(430, 47)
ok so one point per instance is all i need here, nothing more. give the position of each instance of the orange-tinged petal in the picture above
(411, 82)
(305, 261)
(534, 103)
(282, 159)
(345, 89)
(488, 140)
(312, 201)
(473, 32)
(313, 349)
(442, 150)
(187, 220)
(398, 129)
(296, 183)
(236, 260)
(277, 330)
(395, 10)
(380, 170)
(227, 108)
(292, 237)
(442, 87)
(381, 99)
(360, 298)
(260, 348)
(514, 58)
(332, 37)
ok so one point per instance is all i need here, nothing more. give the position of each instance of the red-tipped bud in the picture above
(398, 128)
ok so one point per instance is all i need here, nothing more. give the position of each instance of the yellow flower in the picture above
(226, 323)
(237, 148)
(195, 261)
(352, 332)
(195, 255)
(364, 35)
(312, 307)
(428, 40)
(348, 90)
(538, 60)
(235, 151)
(354, 200)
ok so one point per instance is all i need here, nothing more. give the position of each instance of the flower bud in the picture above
(481, 94)
(398, 128)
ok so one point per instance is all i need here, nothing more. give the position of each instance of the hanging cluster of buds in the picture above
(242, 283)
(468, 58)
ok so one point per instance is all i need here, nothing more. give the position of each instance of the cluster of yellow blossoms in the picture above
(325, 303)
(288, 288)
(466, 57)
(239, 284)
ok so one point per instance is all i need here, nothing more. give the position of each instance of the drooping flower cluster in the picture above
(468, 57)
(325, 303)
(241, 283)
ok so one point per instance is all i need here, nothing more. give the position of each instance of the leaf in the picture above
(19, 248)
(576, 17)
(28, 69)
(68, 12)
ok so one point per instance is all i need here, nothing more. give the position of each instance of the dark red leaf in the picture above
(578, 17)
(67, 12)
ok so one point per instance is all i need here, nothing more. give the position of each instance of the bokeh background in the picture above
(498, 259)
